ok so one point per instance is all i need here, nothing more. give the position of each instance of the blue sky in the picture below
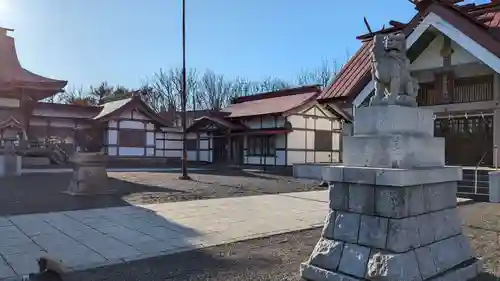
(126, 41)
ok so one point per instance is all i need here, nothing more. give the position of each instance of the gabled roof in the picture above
(112, 110)
(277, 102)
(13, 76)
(218, 121)
(479, 22)
(352, 73)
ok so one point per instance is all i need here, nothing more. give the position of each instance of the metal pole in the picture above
(184, 95)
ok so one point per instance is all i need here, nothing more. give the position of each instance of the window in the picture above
(323, 140)
(132, 138)
(261, 146)
(191, 144)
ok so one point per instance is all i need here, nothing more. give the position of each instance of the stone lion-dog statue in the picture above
(390, 72)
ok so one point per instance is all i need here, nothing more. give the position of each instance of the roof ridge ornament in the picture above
(4, 30)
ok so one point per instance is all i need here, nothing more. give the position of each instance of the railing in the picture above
(474, 184)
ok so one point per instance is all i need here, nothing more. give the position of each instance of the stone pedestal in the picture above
(494, 186)
(392, 205)
(10, 162)
(89, 174)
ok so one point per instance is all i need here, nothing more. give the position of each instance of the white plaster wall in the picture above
(131, 151)
(112, 151)
(431, 56)
(6, 102)
(173, 153)
(460, 55)
(173, 144)
(297, 139)
(150, 138)
(336, 141)
(191, 155)
(204, 144)
(205, 155)
(322, 124)
(322, 156)
(159, 144)
(297, 121)
(126, 124)
(176, 136)
(112, 136)
(280, 157)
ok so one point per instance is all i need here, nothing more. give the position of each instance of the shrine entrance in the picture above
(469, 141)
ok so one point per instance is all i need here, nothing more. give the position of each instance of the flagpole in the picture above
(185, 175)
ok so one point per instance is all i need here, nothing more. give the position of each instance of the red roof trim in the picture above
(279, 93)
(354, 76)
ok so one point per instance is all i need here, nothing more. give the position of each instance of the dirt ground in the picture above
(278, 257)
(44, 192)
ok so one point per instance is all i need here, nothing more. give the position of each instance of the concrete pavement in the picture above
(91, 238)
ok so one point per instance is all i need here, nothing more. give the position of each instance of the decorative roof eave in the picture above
(11, 122)
(219, 121)
(460, 20)
(134, 102)
(14, 77)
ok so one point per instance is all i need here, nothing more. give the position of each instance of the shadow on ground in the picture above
(44, 192)
(485, 276)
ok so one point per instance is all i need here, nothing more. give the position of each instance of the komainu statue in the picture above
(390, 72)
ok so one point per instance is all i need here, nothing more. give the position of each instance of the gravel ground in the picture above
(41, 193)
(278, 257)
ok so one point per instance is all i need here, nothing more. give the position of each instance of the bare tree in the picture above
(165, 91)
(77, 96)
(269, 84)
(100, 93)
(151, 96)
(168, 87)
(321, 75)
(214, 91)
(241, 87)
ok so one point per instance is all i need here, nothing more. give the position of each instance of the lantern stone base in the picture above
(89, 175)
(10, 165)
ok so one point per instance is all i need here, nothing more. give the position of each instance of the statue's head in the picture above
(395, 42)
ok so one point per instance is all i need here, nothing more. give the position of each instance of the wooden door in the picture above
(469, 141)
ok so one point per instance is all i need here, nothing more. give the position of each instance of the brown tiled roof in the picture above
(14, 76)
(347, 81)
(110, 110)
(271, 103)
(480, 22)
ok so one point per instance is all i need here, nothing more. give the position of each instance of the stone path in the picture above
(90, 238)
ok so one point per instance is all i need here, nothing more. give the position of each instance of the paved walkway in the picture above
(90, 238)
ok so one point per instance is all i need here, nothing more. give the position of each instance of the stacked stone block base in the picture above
(89, 175)
(392, 224)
